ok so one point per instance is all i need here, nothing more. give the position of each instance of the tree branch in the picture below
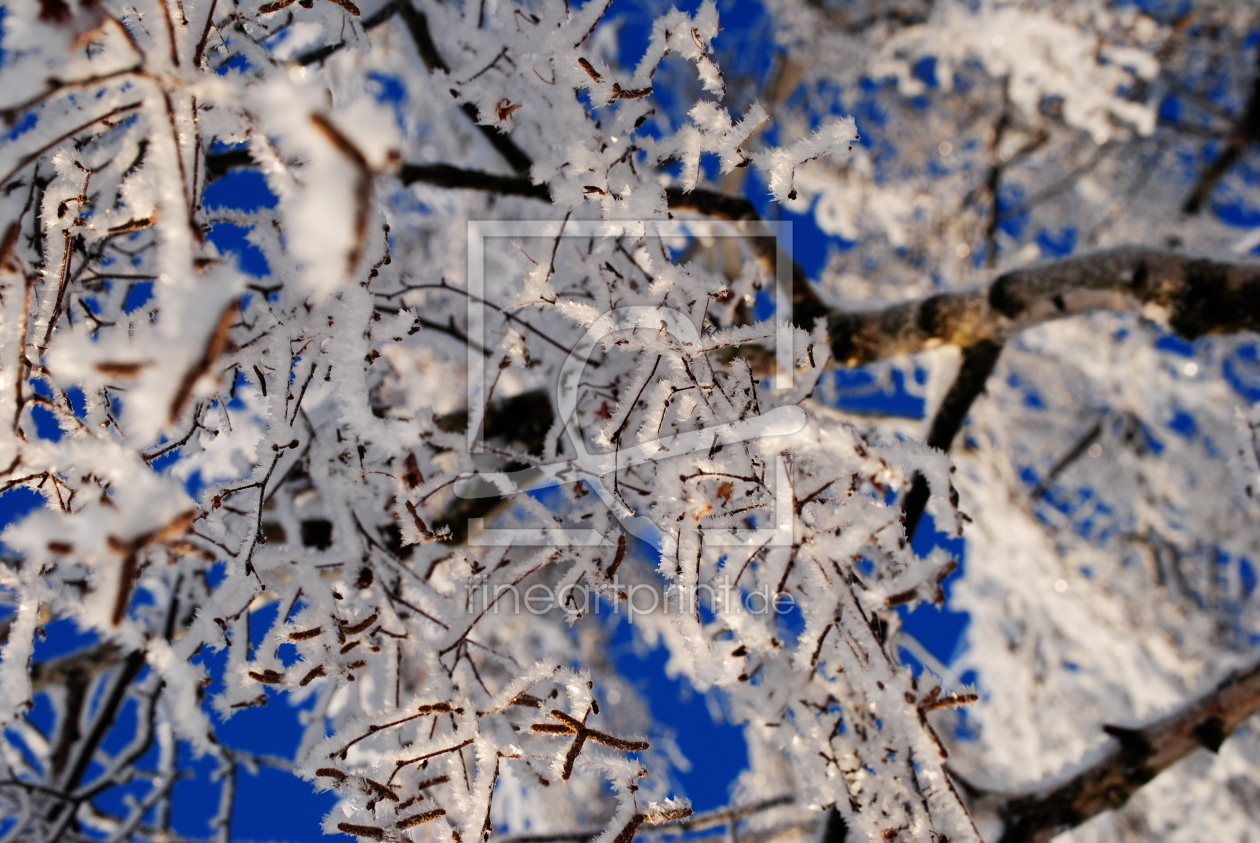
(1200, 297)
(835, 830)
(1081, 446)
(806, 306)
(1139, 756)
(1246, 131)
(690, 824)
(418, 28)
(369, 23)
(444, 175)
(978, 362)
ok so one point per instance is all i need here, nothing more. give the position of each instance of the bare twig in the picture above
(693, 823)
(1246, 131)
(444, 175)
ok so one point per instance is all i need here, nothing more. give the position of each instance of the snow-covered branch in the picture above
(359, 360)
(1132, 758)
(1193, 296)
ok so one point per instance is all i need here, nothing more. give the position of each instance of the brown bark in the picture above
(1138, 755)
(1197, 296)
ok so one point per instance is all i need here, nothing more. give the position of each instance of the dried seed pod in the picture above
(268, 677)
(590, 69)
(669, 815)
(380, 790)
(619, 556)
(417, 819)
(362, 830)
(312, 676)
(435, 708)
(356, 628)
(433, 782)
(948, 700)
(617, 743)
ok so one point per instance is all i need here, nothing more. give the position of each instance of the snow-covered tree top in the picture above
(333, 336)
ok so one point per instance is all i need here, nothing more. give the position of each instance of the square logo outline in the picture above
(780, 532)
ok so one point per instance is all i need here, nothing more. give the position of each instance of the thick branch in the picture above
(1199, 296)
(835, 830)
(978, 362)
(1139, 756)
